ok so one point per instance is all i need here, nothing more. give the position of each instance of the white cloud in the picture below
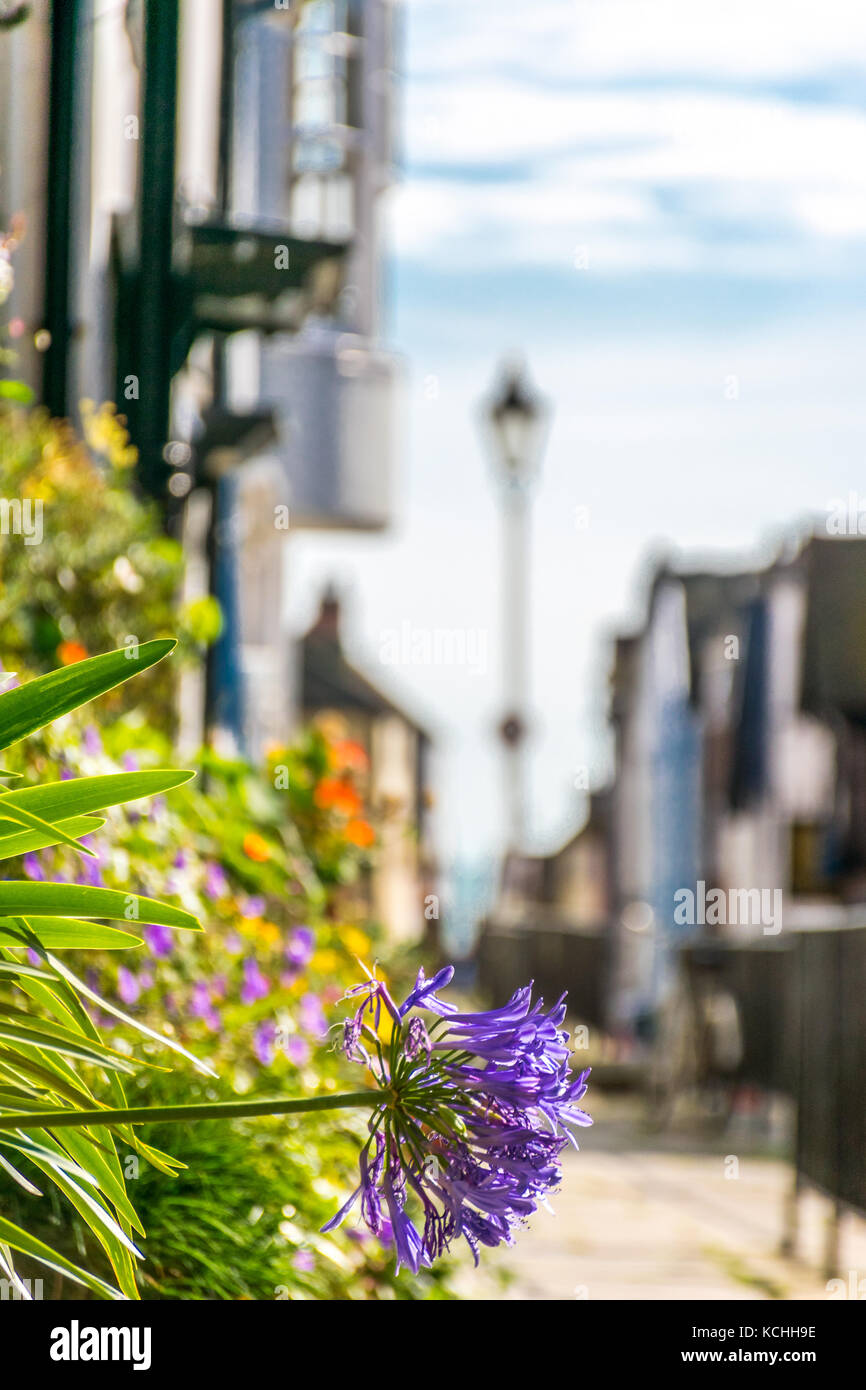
(602, 40)
(670, 174)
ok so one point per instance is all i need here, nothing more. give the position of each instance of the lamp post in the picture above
(516, 420)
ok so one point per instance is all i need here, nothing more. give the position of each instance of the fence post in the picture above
(831, 1239)
(791, 1215)
(791, 1219)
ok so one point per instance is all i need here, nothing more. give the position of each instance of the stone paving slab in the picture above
(635, 1221)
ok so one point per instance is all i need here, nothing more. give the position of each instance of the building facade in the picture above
(202, 183)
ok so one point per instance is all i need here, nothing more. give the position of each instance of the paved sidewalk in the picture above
(638, 1219)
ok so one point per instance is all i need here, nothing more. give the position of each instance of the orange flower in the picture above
(348, 753)
(335, 793)
(360, 833)
(70, 652)
(255, 847)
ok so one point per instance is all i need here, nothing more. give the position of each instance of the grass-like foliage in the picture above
(51, 1054)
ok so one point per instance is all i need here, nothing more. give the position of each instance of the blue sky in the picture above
(662, 204)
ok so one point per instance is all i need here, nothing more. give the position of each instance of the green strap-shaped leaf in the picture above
(82, 795)
(19, 898)
(13, 1017)
(98, 1218)
(68, 934)
(17, 970)
(85, 992)
(28, 841)
(19, 1178)
(46, 1042)
(48, 1076)
(21, 816)
(52, 1259)
(89, 1164)
(39, 702)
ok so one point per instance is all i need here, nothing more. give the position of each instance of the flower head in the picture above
(159, 939)
(475, 1111)
(300, 948)
(255, 985)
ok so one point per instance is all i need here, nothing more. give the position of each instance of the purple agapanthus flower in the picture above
(311, 1016)
(299, 950)
(92, 741)
(255, 985)
(216, 885)
(33, 868)
(90, 873)
(264, 1042)
(201, 1006)
(476, 1109)
(127, 985)
(297, 1049)
(159, 939)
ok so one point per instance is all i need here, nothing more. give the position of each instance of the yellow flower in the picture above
(325, 961)
(355, 941)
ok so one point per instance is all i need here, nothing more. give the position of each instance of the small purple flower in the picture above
(311, 1016)
(255, 985)
(127, 986)
(179, 861)
(352, 1046)
(92, 741)
(407, 1241)
(216, 885)
(297, 1050)
(300, 948)
(264, 1042)
(159, 939)
(130, 763)
(253, 907)
(90, 873)
(304, 1260)
(417, 1040)
(32, 867)
(201, 1007)
(424, 993)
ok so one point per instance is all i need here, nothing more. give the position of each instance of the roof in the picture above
(329, 681)
(834, 641)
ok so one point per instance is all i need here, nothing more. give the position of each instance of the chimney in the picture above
(327, 624)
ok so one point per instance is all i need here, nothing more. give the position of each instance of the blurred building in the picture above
(737, 805)
(397, 750)
(202, 182)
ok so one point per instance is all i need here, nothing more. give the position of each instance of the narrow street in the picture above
(641, 1216)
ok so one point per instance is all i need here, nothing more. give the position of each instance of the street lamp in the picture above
(516, 421)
